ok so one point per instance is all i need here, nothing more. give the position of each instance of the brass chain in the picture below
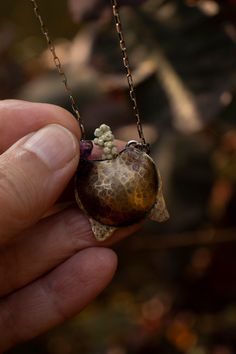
(126, 63)
(59, 67)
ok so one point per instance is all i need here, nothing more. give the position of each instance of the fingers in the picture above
(48, 244)
(33, 173)
(19, 118)
(57, 296)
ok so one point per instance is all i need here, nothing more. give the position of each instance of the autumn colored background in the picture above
(175, 289)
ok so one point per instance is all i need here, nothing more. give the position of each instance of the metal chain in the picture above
(128, 70)
(58, 66)
(126, 63)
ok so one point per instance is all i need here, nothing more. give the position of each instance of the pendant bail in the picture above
(139, 145)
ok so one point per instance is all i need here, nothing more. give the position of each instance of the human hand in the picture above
(51, 267)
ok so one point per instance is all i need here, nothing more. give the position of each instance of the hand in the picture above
(51, 267)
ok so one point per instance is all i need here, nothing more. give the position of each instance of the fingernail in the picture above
(54, 145)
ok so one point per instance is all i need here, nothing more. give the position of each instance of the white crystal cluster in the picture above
(105, 139)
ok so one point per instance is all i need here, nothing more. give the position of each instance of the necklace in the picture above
(121, 188)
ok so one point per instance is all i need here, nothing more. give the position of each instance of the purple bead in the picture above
(86, 147)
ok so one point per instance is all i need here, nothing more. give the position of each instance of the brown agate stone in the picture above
(118, 192)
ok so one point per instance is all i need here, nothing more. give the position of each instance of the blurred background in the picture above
(175, 289)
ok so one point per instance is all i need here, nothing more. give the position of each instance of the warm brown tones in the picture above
(118, 192)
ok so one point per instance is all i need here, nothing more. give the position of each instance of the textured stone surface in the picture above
(118, 192)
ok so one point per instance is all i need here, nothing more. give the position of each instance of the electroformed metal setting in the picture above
(122, 188)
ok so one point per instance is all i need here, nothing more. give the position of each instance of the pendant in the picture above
(122, 188)
(120, 191)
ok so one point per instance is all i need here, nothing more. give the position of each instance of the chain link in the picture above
(58, 66)
(126, 63)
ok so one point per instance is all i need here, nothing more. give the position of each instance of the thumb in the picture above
(33, 173)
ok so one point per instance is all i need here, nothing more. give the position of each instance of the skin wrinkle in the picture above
(5, 274)
(84, 273)
(22, 209)
(8, 325)
(77, 226)
(45, 287)
(66, 247)
(25, 183)
(52, 291)
(10, 210)
(14, 318)
(13, 280)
